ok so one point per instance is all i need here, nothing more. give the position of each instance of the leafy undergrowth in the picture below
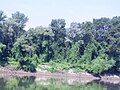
(54, 67)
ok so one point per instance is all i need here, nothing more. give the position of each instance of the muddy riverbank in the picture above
(67, 75)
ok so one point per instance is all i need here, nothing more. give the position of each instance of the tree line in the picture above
(92, 46)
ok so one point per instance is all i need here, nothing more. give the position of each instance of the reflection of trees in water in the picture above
(30, 83)
(110, 85)
(19, 83)
(26, 81)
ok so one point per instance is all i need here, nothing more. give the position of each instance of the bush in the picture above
(99, 65)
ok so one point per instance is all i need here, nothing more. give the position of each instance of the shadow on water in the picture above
(33, 83)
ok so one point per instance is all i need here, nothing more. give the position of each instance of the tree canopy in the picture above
(92, 46)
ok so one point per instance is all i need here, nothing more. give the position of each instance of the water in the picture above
(33, 83)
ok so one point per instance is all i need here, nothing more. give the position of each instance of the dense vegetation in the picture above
(90, 46)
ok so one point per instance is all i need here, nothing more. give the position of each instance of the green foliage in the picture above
(90, 46)
(64, 65)
(99, 65)
(2, 47)
(72, 54)
(3, 59)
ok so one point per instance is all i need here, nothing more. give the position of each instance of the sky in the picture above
(41, 12)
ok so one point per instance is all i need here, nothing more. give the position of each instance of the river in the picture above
(41, 83)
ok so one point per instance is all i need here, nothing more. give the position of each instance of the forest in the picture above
(93, 46)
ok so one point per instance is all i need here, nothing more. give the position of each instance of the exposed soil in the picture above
(78, 76)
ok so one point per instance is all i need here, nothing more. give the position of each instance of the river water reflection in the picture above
(33, 83)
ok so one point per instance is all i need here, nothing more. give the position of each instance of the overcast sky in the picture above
(41, 12)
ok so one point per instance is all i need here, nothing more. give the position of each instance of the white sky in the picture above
(41, 12)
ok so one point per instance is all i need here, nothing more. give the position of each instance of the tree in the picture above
(92, 46)
(20, 19)
(59, 31)
(2, 16)
(74, 32)
(2, 56)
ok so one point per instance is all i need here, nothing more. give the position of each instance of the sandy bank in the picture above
(78, 76)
